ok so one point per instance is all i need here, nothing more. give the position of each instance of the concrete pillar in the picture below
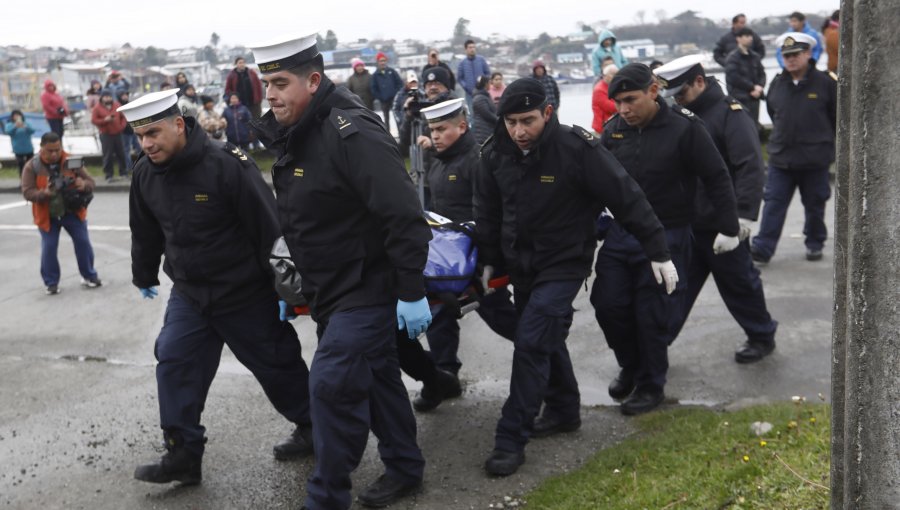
(865, 470)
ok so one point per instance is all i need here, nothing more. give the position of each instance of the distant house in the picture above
(638, 49)
(75, 79)
(581, 36)
(181, 55)
(198, 73)
(570, 58)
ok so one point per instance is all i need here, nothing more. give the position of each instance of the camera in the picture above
(418, 103)
(74, 163)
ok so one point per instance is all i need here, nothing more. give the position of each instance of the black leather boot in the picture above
(177, 465)
(444, 386)
(297, 445)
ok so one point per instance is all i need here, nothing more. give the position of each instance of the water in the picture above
(576, 101)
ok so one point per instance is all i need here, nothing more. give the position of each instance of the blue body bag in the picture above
(452, 257)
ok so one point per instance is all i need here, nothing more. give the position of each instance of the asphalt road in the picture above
(78, 397)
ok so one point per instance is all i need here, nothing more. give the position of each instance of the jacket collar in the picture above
(505, 145)
(713, 94)
(463, 145)
(193, 150)
(272, 134)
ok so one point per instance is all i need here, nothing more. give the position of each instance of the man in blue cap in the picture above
(537, 196)
(357, 236)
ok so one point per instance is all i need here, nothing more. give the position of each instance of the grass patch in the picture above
(702, 459)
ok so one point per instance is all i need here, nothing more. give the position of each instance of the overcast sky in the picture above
(177, 23)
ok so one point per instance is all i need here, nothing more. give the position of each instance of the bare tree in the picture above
(640, 16)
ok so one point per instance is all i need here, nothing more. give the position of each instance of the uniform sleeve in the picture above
(254, 204)
(832, 102)
(488, 206)
(147, 240)
(378, 176)
(703, 157)
(745, 155)
(609, 184)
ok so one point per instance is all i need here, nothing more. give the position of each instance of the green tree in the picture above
(331, 41)
(154, 56)
(208, 53)
(461, 31)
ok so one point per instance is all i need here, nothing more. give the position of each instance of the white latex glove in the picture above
(746, 228)
(665, 272)
(486, 274)
(724, 244)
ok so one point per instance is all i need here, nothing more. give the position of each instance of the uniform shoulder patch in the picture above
(734, 104)
(585, 135)
(833, 75)
(684, 112)
(342, 121)
(234, 150)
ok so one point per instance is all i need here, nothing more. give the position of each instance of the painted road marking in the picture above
(13, 204)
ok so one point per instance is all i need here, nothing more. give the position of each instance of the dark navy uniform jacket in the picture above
(804, 120)
(736, 137)
(666, 157)
(348, 209)
(537, 212)
(450, 179)
(209, 210)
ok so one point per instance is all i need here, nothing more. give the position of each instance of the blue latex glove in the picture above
(285, 311)
(415, 317)
(149, 292)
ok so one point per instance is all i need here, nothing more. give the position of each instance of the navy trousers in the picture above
(814, 193)
(738, 282)
(542, 368)
(495, 309)
(188, 350)
(84, 253)
(636, 315)
(355, 387)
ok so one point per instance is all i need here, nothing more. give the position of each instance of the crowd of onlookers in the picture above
(739, 52)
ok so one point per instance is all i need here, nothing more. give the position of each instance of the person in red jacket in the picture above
(55, 108)
(111, 124)
(603, 106)
(245, 83)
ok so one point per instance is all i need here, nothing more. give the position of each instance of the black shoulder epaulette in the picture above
(585, 135)
(684, 112)
(234, 150)
(734, 104)
(833, 75)
(342, 122)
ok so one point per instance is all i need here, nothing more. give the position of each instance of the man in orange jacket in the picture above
(42, 178)
(111, 124)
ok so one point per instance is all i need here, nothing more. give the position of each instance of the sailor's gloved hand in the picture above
(724, 244)
(486, 274)
(665, 272)
(149, 292)
(746, 228)
(415, 317)
(285, 311)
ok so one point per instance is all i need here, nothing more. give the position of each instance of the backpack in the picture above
(452, 256)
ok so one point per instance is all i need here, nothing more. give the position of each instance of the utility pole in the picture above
(865, 463)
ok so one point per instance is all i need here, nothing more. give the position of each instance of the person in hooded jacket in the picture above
(551, 89)
(238, 118)
(55, 108)
(20, 132)
(607, 47)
